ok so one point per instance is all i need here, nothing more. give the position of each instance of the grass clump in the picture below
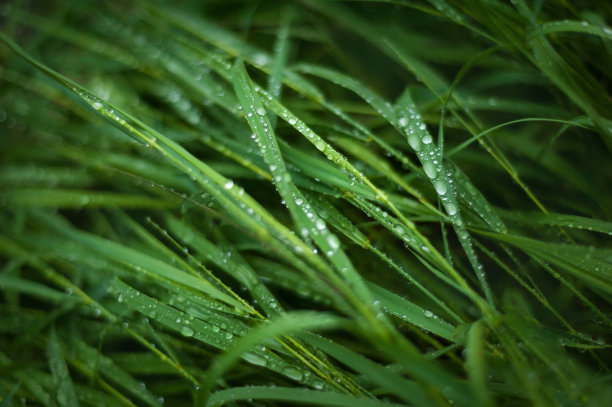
(324, 203)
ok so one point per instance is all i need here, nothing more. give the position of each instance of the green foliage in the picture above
(365, 203)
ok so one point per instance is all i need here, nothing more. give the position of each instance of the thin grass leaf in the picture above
(476, 362)
(413, 314)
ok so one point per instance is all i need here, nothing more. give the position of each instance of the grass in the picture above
(349, 203)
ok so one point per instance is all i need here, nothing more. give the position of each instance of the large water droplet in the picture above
(414, 142)
(430, 169)
(441, 188)
(333, 242)
(292, 373)
(255, 359)
(320, 145)
(319, 224)
(187, 331)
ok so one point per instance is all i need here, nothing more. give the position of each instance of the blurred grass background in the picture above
(336, 203)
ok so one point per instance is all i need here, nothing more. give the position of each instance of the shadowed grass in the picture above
(361, 203)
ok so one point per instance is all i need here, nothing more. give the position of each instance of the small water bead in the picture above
(299, 201)
(318, 384)
(430, 169)
(292, 121)
(427, 139)
(187, 331)
(451, 208)
(403, 122)
(440, 187)
(229, 335)
(229, 184)
(428, 314)
(260, 111)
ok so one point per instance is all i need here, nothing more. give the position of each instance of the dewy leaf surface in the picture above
(358, 203)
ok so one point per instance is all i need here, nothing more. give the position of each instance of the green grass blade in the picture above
(293, 396)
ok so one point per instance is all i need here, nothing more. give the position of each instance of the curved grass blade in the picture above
(381, 375)
(286, 324)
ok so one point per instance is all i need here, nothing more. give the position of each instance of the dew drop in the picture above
(320, 145)
(333, 242)
(292, 373)
(255, 359)
(440, 188)
(229, 184)
(430, 170)
(187, 331)
(319, 224)
(414, 142)
(427, 139)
